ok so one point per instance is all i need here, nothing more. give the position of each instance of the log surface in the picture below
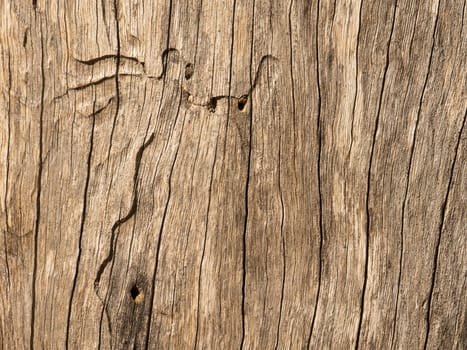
(233, 174)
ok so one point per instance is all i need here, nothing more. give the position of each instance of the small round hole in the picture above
(136, 294)
(212, 105)
(242, 102)
(189, 70)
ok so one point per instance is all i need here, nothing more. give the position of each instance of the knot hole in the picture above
(189, 70)
(242, 102)
(136, 294)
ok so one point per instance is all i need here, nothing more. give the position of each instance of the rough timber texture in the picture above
(233, 174)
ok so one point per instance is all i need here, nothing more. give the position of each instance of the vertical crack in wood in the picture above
(7, 165)
(356, 78)
(284, 266)
(128, 216)
(104, 15)
(117, 80)
(161, 230)
(260, 68)
(441, 226)
(380, 102)
(362, 305)
(83, 219)
(105, 309)
(212, 104)
(247, 184)
(165, 60)
(205, 238)
(414, 26)
(412, 149)
(443, 210)
(318, 171)
(39, 180)
(151, 305)
(292, 78)
(212, 170)
(118, 223)
(230, 74)
(204, 244)
(463, 15)
(279, 172)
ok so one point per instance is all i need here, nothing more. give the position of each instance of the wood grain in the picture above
(233, 174)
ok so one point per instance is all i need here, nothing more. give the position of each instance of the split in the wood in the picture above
(92, 61)
(104, 79)
(84, 86)
(128, 216)
(25, 38)
(101, 109)
(164, 58)
(210, 103)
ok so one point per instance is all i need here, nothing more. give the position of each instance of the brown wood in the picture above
(233, 174)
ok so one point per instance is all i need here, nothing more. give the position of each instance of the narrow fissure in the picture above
(356, 79)
(163, 75)
(161, 231)
(247, 184)
(412, 149)
(368, 190)
(128, 216)
(39, 184)
(117, 81)
(204, 243)
(441, 227)
(83, 219)
(318, 170)
(7, 175)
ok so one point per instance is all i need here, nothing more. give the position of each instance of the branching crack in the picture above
(96, 112)
(210, 103)
(128, 216)
(116, 225)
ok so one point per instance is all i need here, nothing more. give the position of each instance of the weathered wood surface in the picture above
(233, 174)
